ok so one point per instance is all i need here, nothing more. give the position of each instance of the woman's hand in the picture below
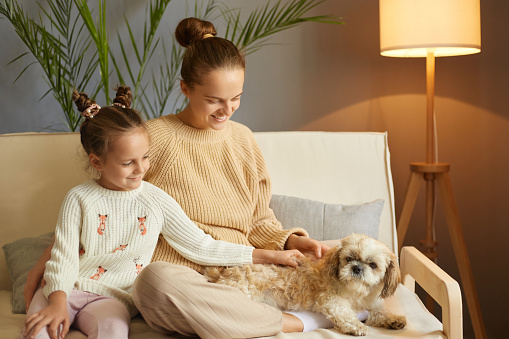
(309, 247)
(54, 315)
(287, 258)
(35, 275)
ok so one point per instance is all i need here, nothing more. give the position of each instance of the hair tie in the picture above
(118, 104)
(91, 111)
(208, 35)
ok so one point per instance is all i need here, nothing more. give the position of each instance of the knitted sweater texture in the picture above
(104, 238)
(220, 179)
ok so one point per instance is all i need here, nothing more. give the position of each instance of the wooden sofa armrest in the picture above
(416, 267)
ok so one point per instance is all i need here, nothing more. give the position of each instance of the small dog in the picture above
(352, 277)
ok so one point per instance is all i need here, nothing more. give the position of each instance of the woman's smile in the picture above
(220, 118)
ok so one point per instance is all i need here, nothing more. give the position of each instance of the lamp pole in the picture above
(430, 29)
(432, 171)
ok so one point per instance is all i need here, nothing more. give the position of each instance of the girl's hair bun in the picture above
(85, 105)
(190, 30)
(124, 96)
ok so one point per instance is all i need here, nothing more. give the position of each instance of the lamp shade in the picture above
(414, 28)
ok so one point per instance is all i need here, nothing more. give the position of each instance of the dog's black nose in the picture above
(357, 269)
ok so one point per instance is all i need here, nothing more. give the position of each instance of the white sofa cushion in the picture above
(339, 168)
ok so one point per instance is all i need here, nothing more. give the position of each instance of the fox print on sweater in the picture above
(104, 238)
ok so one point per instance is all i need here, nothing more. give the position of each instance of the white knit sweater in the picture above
(104, 238)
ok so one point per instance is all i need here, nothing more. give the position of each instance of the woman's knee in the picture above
(157, 293)
(161, 279)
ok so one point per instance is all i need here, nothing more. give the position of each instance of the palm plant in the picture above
(61, 49)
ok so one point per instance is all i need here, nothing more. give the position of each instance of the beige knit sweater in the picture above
(220, 180)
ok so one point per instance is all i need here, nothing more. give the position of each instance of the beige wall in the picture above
(333, 79)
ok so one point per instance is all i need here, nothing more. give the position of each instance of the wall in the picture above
(334, 79)
(323, 77)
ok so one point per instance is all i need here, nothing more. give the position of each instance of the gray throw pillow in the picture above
(328, 221)
(21, 256)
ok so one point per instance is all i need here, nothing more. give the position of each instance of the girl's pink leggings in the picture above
(96, 316)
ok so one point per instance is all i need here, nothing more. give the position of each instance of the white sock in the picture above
(363, 315)
(313, 321)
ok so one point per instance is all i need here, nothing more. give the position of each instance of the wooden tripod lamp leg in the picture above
(408, 206)
(460, 251)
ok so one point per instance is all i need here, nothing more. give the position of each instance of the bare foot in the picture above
(291, 323)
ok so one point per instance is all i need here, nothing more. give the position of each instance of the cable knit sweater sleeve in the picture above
(63, 268)
(193, 243)
(266, 231)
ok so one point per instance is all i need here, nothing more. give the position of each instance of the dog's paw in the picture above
(395, 322)
(357, 329)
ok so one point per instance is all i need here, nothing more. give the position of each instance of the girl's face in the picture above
(126, 163)
(212, 103)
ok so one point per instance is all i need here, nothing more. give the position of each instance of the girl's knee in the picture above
(38, 303)
(110, 326)
(104, 319)
(113, 328)
(43, 334)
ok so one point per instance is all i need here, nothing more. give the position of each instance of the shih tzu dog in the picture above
(352, 277)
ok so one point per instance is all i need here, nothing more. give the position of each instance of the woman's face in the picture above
(212, 103)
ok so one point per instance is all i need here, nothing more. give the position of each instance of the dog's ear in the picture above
(392, 278)
(332, 261)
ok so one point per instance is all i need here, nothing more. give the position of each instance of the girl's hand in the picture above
(310, 247)
(287, 258)
(54, 315)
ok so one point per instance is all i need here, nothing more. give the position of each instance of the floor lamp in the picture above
(429, 29)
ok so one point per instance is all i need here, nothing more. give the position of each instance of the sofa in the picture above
(331, 183)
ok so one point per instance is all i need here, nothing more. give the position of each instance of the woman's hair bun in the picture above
(124, 96)
(191, 30)
(81, 100)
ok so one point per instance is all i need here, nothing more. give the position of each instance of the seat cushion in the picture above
(420, 323)
(12, 324)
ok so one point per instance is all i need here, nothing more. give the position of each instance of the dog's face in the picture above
(365, 262)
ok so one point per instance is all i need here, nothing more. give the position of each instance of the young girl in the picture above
(108, 228)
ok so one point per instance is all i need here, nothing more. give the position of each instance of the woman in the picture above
(214, 169)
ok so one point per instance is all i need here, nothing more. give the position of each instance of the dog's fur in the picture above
(352, 277)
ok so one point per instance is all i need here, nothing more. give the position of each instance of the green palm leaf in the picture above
(268, 20)
(61, 48)
(56, 49)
